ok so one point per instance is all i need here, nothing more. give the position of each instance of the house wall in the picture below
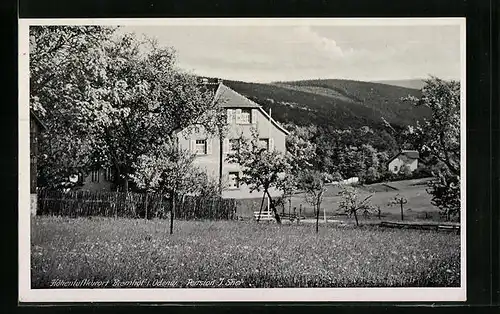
(100, 185)
(33, 203)
(34, 130)
(210, 161)
(400, 161)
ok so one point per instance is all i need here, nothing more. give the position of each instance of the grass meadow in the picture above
(245, 254)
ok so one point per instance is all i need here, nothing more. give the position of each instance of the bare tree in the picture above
(399, 200)
(313, 184)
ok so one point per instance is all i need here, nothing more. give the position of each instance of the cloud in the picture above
(322, 44)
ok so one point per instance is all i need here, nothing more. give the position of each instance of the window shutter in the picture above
(229, 116)
(254, 116)
(192, 146)
(225, 146)
(271, 144)
(209, 146)
(238, 116)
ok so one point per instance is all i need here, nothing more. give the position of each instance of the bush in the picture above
(445, 191)
(421, 172)
(405, 172)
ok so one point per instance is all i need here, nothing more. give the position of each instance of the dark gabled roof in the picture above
(231, 99)
(37, 120)
(411, 154)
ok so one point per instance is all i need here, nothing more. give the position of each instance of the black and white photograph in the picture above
(259, 159)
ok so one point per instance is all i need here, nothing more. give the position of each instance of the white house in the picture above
(403, 158)
(242, 116)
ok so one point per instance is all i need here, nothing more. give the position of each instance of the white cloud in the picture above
(322, 44)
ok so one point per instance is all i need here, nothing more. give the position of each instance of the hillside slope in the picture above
(336, 103)
(410, 83)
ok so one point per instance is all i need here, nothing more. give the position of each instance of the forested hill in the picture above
(411, 83)
(334, 103)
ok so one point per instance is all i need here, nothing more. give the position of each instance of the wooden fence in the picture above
(132, 205)
(436, 226)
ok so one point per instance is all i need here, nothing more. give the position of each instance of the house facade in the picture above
(402, 159)
(243, 115)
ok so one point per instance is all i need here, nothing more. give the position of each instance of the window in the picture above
(246, 116)
(395, 168)
(95, 175)
(201, 147)
(234, 180)
(264, 143)
(108, 175)
(234, 145)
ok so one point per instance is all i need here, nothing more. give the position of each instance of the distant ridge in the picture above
(334, 103)
(410, 83)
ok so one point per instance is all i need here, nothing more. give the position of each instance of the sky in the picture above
(282, 52)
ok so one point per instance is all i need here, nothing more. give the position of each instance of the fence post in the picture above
(115, 205)
(234, 209)
(212, 203)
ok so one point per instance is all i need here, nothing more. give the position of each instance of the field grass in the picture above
(418, 208)
(199, 253)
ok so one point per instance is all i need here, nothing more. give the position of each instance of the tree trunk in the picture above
(317, 218)
(276, 215)
(261, 204)
(401, 203)
(146, 207)
(125, 185)
(221, 159)
(356, 217)
(172, 212)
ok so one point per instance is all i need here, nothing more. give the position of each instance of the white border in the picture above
(26, 294)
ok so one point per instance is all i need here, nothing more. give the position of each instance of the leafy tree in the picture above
(262, 169)
(313, 184)
(146, 100)
(117, 96)
(302, 155)
(300, 149)
(65, 66)
(214, 122)
(372, 175)
(170, 171)
(288, 184)
(351, 202)
(440, 138)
